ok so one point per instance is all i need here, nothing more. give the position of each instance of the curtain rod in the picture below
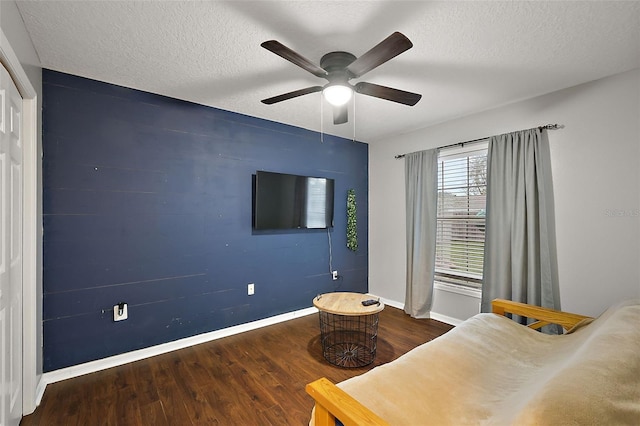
(546, 126)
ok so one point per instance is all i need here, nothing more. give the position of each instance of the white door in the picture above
(11, 174)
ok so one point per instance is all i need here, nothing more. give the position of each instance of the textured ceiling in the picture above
(467, 56)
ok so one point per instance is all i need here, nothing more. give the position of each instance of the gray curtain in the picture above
(421, 185)
(520, 261)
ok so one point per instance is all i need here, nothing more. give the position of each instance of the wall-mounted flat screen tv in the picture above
(283, 201)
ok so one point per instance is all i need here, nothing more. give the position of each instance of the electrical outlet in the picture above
(120, 312)
(334, 275)
(251, 288)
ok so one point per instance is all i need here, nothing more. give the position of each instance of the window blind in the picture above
(462, 187)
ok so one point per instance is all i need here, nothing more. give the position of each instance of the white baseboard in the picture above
(433, 315)
(116, 360)
(392, 303)
(42, 385)
(447, 320)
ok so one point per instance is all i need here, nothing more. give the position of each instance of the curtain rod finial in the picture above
(552, 126)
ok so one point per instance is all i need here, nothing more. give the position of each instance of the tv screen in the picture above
(283, 201)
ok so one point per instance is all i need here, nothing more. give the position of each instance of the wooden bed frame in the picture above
(331, 402)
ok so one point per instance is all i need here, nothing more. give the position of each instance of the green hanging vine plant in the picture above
(352, 229)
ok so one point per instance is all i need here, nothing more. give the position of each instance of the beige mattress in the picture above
(490, 370)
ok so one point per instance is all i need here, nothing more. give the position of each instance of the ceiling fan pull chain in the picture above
(354, 119)
(321, 120)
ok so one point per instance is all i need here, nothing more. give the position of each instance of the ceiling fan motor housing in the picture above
(336, 63)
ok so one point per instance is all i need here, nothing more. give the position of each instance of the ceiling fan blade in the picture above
(388, 93)
(388, 48)
(294, 57)
(340, 114)
(290, 95)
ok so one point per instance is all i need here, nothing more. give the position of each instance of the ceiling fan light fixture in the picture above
(337, 94)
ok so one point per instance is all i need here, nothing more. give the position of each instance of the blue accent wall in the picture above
(147, 200)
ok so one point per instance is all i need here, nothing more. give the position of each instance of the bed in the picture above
(493, 370)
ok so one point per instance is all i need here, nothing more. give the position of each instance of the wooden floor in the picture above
(253, 378)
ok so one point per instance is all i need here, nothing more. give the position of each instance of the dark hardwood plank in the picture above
(257, 377)
(153, 414)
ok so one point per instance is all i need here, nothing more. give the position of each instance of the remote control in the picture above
(370, 302)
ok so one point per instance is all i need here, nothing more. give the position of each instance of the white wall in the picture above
(595, 165)
(13, 27)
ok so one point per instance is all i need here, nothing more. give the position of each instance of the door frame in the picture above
(32, 229)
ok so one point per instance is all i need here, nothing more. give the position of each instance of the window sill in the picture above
(457, 289)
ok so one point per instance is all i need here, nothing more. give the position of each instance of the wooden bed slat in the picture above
(538, 324)
(544, 315)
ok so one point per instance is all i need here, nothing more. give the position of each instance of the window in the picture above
(462, 188)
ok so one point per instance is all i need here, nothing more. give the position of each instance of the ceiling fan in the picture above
(340, 67)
